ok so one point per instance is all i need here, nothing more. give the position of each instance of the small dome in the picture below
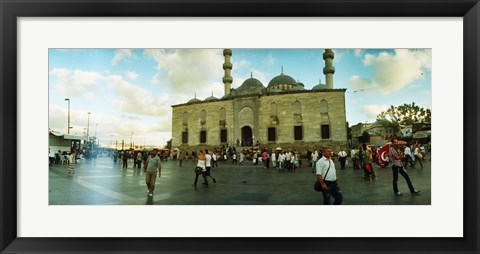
(298, 88)
(211, 98)
(319, 87)
(282, 79)
(194, 100)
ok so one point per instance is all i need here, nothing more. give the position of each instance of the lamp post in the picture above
(131, 140)
(96, 125)
(68, 123)
(95, 139)
(88, 128)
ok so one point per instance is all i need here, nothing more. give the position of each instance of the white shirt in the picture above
(214, 157)
(416, 151)
(352, 153)
(288, 156)
(342, 154)
(407, 151)
(71, 158)
(322, 167)
(274, 157)
(208, 160)
(315, 156)
(281, 157)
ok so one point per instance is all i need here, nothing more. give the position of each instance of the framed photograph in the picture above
(34, 33)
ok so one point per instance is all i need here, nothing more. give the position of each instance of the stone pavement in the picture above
(102, 182)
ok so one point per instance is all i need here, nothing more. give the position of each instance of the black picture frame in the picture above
(10, 10)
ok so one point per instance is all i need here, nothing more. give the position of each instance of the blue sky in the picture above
(132, 90)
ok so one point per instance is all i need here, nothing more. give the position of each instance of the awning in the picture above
(422, 134)
(55, 133)
(74, 137)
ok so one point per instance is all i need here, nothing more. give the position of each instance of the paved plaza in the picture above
(102, 182)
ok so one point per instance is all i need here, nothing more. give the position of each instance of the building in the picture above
(282, 114)
(379, 133)
(64, 143)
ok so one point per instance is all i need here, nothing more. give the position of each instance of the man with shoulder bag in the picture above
(327, 178)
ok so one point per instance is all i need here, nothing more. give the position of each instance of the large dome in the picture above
(251, 83)
(282, 79)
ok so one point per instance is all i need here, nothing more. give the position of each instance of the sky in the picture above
(129, 92)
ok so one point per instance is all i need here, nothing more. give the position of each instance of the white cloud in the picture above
(359, 52)
(339, 54)
(121, 54)
(73, 83)
(360, 83)
(188, 70)
(137, 100)
(393, 72)
(132, 75)
(269, 60)
(241, 64)
(373, 110)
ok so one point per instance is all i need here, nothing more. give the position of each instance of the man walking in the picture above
(397, 156)
(150, 168)
(327, 177)
(342, 157)
(408, 157)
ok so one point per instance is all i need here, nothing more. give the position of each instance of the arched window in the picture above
(323, 107)
(273, 109)
(185, 118)
(203, 116)
(223, 114)
(297, 108)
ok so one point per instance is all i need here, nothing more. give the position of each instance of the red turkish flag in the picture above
(382, 155)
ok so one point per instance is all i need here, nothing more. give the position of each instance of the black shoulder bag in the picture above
(317, 186)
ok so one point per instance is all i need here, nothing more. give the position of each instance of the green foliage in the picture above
(365, 138)
(349, 131)
(387, 123)
(169, 144)
(406, 114)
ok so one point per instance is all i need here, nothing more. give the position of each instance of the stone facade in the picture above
(256, 113)
(283, 114)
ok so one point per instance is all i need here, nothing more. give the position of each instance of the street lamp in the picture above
(96, 125)
(88, 127)
(131, 140)
(68, 123)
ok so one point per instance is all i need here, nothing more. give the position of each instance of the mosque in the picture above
(282, 114)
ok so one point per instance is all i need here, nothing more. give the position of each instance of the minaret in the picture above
(227, 67)
(329, 70)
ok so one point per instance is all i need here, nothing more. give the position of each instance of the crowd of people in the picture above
(399, 156)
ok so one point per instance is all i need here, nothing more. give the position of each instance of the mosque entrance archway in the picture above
(247, 137)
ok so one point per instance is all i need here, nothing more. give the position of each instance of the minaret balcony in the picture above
(227, 66)
(227, 79)
(227, 52)
(328, 54)
(329, 70)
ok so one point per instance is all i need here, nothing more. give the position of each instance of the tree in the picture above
(365, 138)
(349, 131)
(406, 114)
(169, 144)
(386, 123)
